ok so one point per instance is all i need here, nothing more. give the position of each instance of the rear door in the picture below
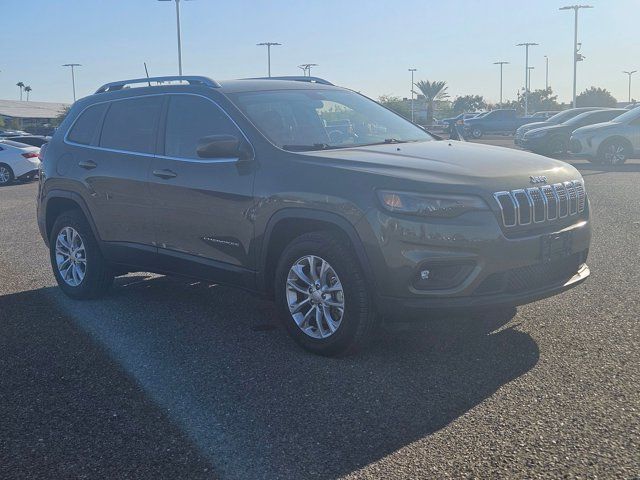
(201, 206)
(115, 169)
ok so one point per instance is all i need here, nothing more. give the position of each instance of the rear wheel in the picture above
(476, 132)
(6, 175)
(614, 152)
(78, 265)
(322, 295)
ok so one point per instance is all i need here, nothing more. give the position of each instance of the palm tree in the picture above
(20, 85)
(27, 89)
(432, 91)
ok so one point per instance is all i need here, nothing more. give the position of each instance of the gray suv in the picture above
(257, 183)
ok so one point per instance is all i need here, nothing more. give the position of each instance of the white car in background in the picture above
(17, 161)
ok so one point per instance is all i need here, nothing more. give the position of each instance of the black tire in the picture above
(558, 144)
(476, 132)
(359, 317)
(98, 274)
(11, 177)
(606, 154)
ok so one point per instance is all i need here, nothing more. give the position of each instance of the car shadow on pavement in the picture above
(216, 361)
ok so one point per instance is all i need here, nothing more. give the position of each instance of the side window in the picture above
(131, 124)
(190, 118)
(86, 125)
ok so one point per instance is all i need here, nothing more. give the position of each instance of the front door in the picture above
(201, 206)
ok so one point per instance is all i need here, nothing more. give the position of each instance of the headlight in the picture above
(437, 205)
(535, 134)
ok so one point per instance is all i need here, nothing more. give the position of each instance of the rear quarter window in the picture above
(85, 127)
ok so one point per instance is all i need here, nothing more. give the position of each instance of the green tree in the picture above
(61, 116)
(432, 91)
(20, 85)
(28, 89)
(596, 97)
(469, 103)
(396, 104)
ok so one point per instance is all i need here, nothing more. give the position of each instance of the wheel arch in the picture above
(287, 224)
(58, 201)
(613, 138)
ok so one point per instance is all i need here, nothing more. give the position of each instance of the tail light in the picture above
(31, 155)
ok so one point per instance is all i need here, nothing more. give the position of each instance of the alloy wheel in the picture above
(71, 256)
(615, 154)
(315, 296)
(5, 175)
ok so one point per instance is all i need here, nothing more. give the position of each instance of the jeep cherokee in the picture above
(342, 211)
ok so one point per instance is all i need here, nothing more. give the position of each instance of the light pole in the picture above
(412, 70)
(501, 65)
(268, 45)
(546, 72)
(529, 86)
(526, 74)
(178, 30)
(630, 73)
(306, 68)
(73, 76)
(576, 56)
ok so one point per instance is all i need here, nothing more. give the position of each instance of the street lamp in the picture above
(178, 29)
(546, 73)
(412, 70)
(526, 74)
(501, 65)
(630, 73)
(576, 56)
(73, 76)
(306, 68)
(529, 86)
(268, 45)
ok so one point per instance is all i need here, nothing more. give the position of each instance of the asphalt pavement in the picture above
(168, 378)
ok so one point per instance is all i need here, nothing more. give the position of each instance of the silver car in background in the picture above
(610, 143)
(556, 119)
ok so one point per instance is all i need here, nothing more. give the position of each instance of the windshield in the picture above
(627, 116)
(564, 116)
(319, 119)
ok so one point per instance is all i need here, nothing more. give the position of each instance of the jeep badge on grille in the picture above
(538, 179)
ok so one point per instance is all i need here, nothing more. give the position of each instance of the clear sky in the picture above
(364, 45)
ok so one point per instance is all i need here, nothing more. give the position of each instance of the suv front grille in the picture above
(541, 204)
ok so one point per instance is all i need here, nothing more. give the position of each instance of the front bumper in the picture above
(533, 144)
(501, 269)
(580, 146)
(402, 309)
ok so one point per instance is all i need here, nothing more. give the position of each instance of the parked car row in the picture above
(603, 135)
(502, 120)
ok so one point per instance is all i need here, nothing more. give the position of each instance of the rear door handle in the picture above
(87, 164)
(166, 173)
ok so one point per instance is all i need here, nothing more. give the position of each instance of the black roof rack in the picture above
(192, 80)
(296, 78)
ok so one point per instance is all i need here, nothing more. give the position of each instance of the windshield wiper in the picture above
(306, 148)
(388, 141)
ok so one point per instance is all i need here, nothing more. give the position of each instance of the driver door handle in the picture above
(166, 173)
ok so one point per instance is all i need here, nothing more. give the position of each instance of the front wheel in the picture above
(558, 145)
(614, 152)
(322, 295)
(78, 265)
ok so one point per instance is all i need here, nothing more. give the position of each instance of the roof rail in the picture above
(296, 78)
(192, 80)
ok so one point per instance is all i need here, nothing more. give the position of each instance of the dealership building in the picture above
(25, 115)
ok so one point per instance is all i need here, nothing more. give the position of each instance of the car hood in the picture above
(530, 126)
(484, 167)
(596, 127)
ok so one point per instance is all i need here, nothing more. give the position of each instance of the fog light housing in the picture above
(440, 276)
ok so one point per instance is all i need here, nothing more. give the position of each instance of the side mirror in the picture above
(219, 146)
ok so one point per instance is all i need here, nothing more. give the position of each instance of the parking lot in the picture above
(166, 378)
